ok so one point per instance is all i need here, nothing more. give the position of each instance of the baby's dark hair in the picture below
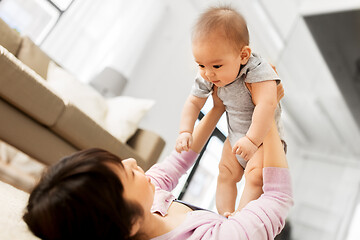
(225, 19)
(81, 197)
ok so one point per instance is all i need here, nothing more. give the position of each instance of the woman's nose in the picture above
(131, 162)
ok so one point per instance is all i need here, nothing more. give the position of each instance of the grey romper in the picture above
(237, 97)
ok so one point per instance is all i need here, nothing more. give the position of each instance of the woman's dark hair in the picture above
(81, 197)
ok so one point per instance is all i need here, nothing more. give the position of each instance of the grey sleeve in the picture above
(201, 88)
(260, 70)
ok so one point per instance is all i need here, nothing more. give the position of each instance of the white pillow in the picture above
(83, 96)
(12, 204)
(124, 115)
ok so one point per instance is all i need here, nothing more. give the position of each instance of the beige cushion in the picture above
(83, 132)
(32, 138)
(27, 91)
(34, 57)
(9, 38)
(148, 144)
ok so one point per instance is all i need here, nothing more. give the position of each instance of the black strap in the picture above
(192, 207)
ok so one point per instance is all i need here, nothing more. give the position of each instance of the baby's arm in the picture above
(207, 124)
(189, 115)
(167, 173)
(264, 96)
(265, 99)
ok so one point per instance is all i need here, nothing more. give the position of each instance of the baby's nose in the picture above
(210, 73)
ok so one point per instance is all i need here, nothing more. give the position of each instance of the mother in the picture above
(92, 194)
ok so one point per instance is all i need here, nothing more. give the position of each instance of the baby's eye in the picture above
(201, 66)
(217, 66)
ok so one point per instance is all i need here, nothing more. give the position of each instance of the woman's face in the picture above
(137, 186)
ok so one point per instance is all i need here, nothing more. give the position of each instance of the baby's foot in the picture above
(228, 214)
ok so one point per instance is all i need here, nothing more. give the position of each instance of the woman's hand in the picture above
(280, 92)
(280, 88)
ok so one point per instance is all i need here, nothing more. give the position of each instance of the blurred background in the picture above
(314, 44)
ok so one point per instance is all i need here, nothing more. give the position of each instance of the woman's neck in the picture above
(155, 224)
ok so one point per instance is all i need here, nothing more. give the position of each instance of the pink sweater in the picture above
(263, 218)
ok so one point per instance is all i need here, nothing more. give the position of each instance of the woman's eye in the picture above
(201, 66)
(217, 66)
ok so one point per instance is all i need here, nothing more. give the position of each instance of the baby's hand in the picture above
(245, 148)
(183, 142)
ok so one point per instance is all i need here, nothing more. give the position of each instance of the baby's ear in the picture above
(245, 55)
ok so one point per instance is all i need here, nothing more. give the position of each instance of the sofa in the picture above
(39, 122)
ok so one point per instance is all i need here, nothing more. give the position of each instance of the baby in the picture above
(247, 85)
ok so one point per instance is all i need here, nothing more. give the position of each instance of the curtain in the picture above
(94, 34)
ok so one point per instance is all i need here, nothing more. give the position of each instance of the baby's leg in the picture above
(253, 179)
(230, 172)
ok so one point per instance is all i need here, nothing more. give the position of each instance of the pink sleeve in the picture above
(265, 217)
(166, 174)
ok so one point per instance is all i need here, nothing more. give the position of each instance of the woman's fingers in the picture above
(274, 68)
(280, 92)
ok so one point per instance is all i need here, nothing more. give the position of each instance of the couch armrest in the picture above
(148, 144)
(83, 132)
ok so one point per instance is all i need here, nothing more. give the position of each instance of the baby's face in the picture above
(218, 61)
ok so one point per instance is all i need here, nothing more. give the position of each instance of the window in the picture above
(62, 5)
(199, 185)
(34, 18)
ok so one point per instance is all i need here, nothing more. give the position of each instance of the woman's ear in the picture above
(245, 55)
(135, 228)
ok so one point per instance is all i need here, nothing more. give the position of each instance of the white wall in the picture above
(325, 190)
(166, 72)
